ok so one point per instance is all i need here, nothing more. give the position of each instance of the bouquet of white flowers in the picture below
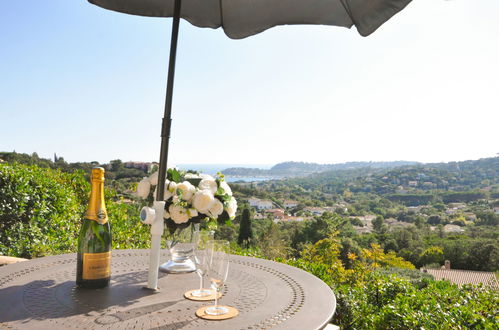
(191, 197)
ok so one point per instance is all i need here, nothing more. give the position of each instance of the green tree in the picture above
(432, 255)
(245, 229)
(378, 223)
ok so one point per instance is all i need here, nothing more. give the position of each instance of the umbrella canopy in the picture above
(243, 18)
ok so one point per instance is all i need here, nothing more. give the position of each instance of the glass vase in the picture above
(181, 245)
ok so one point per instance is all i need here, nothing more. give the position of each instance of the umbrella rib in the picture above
(167, 120)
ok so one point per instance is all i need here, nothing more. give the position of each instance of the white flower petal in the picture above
(178, 214)
(216, 209)
(232, 208)
(226, 188)
(208, 184)
(187, 189)
(143, 188)
(206, 176)
(203, 200)
(153, 178)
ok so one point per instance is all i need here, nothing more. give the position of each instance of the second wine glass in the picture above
(218, 271)
(201, 258)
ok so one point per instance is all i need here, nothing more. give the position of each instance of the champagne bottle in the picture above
(93, 269)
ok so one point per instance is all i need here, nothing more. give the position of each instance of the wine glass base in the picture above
(173, 267)
(202, 293)
(216, 310)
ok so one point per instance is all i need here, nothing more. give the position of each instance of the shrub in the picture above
(40, 210)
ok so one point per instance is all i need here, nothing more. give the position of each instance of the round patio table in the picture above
(41, 294)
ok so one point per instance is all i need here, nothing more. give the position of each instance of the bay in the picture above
(213, 169)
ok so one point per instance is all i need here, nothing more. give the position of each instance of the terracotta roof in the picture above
(461, 277)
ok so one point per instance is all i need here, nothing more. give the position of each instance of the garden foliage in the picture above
(41, 211)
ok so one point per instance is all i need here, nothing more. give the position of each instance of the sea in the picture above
(213, 169)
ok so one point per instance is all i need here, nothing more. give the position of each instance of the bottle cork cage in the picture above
(41, 293)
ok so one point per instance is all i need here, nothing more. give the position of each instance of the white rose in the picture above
(232, 208)
(143, 188)
(203, 200)
(153, 178)
(216, 209)
(187, 189)
(167, 195)
(170, 188)
(166, 215)
(192, 213)
(206, 176)
(191, 176)
(178, 214)
(208, 184)
(226, 188)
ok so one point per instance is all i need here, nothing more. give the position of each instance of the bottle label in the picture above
(96, 265)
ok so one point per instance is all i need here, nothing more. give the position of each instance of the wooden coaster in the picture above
(189, 296)
(233, 312)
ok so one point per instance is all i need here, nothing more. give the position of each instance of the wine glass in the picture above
(217, 271)
(201, 258)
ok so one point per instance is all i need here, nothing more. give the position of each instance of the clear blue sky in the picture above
(89, 84)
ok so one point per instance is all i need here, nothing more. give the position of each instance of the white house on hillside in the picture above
(260, 204)
(289, 203)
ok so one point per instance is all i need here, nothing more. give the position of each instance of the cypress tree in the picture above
(245, 229)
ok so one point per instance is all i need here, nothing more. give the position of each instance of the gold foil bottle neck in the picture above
(97, 174)
(97, 207)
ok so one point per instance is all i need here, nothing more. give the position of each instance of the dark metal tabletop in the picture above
(41, 294)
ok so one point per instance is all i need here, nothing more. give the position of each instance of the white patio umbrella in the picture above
(241, 19)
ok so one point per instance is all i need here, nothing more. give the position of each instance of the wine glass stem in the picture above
(216, 298)
(200, 282)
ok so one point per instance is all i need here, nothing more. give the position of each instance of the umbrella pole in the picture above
(157, 225)
(167, 119)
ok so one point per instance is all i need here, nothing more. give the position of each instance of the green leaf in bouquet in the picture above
(220, 191)
(194, 181)
(222, 218)
(182, 226)
(173, 174)
(211, 224)
(198, 218)
(168, 203)
(171, 226)
(224, 198)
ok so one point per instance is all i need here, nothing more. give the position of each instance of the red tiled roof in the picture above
(461, 277)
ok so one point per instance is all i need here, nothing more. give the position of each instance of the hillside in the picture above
(300, 169)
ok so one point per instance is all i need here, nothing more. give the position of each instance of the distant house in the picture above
(258, 216)
(461, 277)
(290, 203)
(277, 213)
(315, 210)
(260, 204)
(144, 166)
(457, 206)
(291, 218)
(453, 229)
(363, 230)
(413, 183)
(253, 201)
(394, 223)
(414, 208)
(365, 219)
